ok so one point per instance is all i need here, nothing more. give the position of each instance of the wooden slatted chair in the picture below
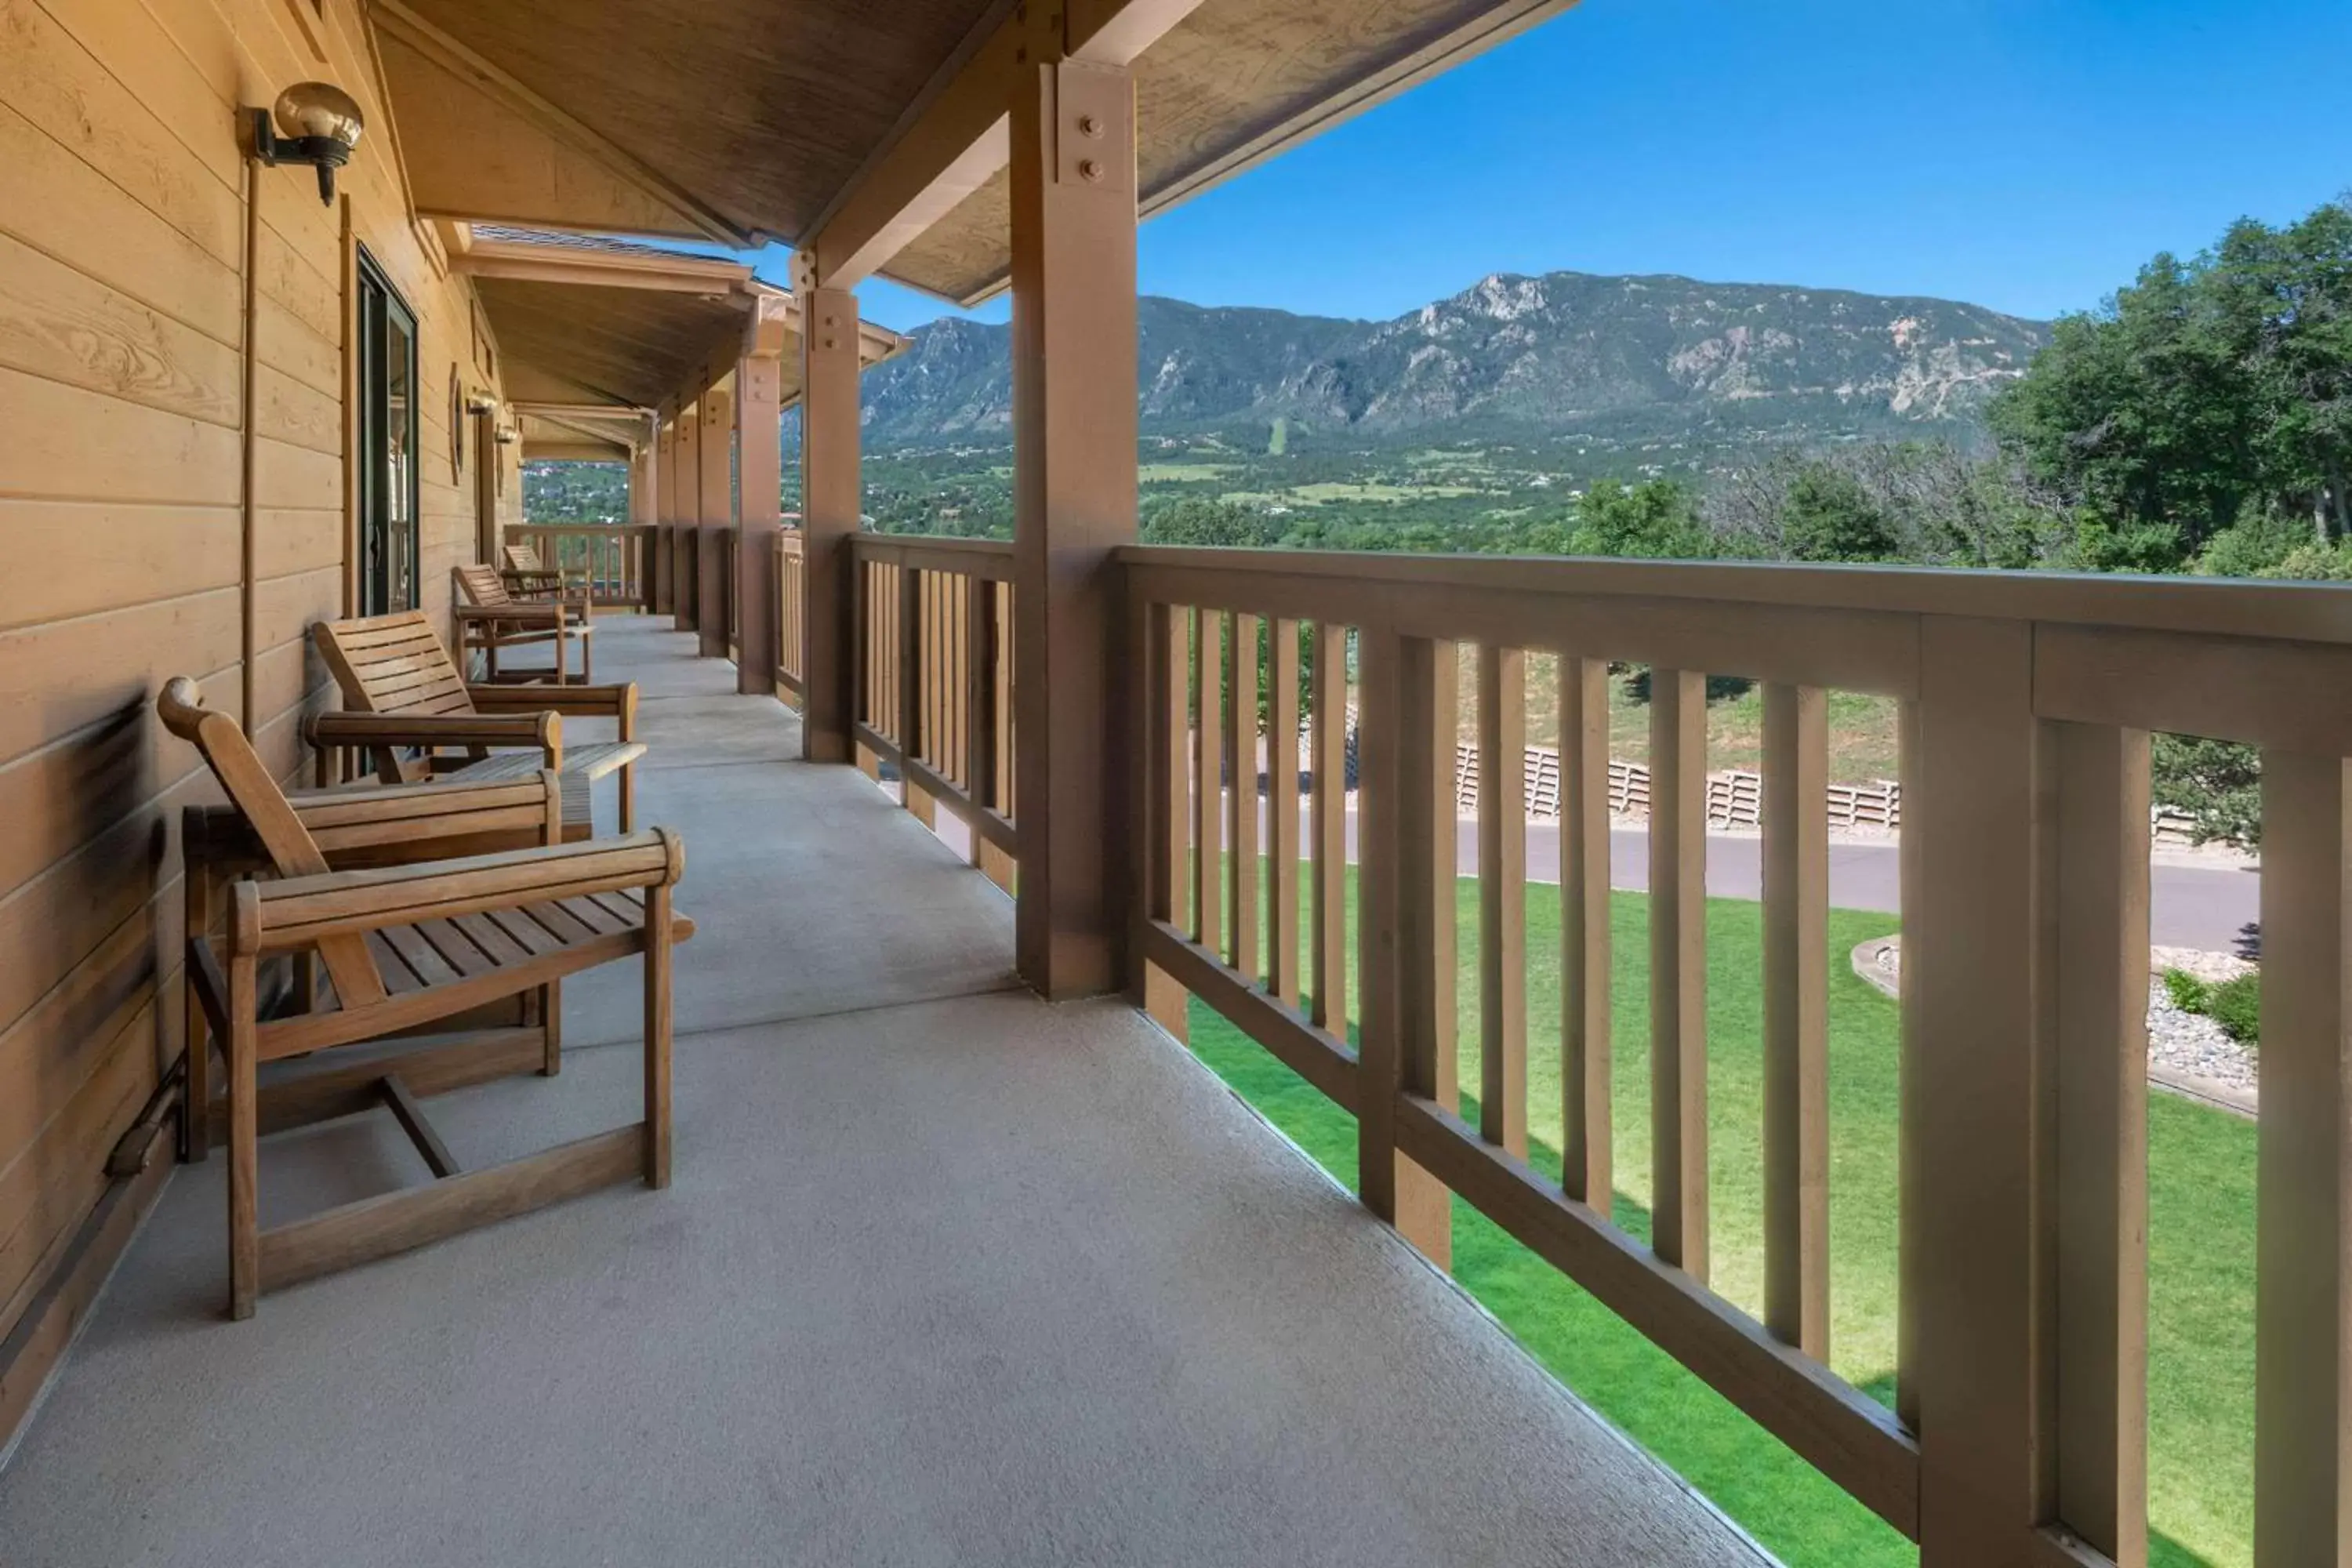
(400, 690)
(405, 946)
(490, 618)
(529, 580)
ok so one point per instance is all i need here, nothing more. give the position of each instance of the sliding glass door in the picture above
(388, 471)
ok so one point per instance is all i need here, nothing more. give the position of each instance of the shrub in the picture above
(2188, 992)
(2236, 1005)
(2218, 782)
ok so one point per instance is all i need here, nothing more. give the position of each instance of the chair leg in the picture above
(657, 975)
(551, 1028)
(244, 1139)
(628, 797)
(196, 1083)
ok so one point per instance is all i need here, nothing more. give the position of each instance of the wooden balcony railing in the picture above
(791, 627)
(2018, 1432)
(616, 560)
(932, 635)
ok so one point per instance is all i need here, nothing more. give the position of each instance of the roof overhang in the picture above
(874, 138)
(596, 334)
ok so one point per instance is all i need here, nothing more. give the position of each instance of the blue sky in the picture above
(2025, 155)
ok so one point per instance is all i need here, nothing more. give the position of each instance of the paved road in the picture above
(2201, 905)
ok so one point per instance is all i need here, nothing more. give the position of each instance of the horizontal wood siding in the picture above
(122, 419)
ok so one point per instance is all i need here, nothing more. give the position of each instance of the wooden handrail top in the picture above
(2303, 611)
(991, 560)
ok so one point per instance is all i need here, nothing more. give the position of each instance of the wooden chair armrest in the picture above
(616, 702)
(296, 912)
(543, 729)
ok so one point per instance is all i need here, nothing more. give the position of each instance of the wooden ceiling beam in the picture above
(397, 22)
(957, 135)
(534, 264)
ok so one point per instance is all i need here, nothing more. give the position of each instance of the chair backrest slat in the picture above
(392, 664)
(523, 558)
(482, 585)
(291, 849)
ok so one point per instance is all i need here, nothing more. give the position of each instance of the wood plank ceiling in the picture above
(741, 121)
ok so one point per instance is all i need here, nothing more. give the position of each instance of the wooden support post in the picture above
(715, 450)
(758, 459)
(1073, 369)
(665, 542)
(1796, 1017)
(1969, 990)
(830, 495)
(1586, 1168)
(1678, 968)
(1503, 898)
(2302, 1300)
(644, 500)
(1398, 1045)
(685, 575)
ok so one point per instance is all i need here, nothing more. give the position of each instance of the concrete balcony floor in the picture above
(948, 1274)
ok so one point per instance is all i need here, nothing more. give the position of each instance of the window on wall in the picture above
(388, 390)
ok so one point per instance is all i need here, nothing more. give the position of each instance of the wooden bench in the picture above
(404, 946)
(402, 690)
(489, 619)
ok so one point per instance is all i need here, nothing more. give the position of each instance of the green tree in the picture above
(1827, 515)
(2206, 390)
(1655, 521)
(1195, 520)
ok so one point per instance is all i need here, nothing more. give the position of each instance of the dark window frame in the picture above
(390, 499)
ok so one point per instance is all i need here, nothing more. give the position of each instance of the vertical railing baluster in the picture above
(1241, 796)
(1283, 945)
(1586, 1154)
(2302, 1311)
(1438, 703)
(1330, 827)
(911, 653)
(1208, 786)
(1796, 1017)
(1427, 702)
(2098, 957)
(1503, 898)
(1678, 968)
(979, 730)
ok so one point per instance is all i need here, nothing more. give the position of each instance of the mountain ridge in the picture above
(1556, 352)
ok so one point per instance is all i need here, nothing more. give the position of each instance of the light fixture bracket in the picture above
(326, 154)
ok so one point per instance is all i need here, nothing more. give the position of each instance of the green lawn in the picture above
(2200, 1240)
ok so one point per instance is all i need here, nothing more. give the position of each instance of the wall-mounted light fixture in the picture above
(317, 123)
(508, 435)
(481, 403)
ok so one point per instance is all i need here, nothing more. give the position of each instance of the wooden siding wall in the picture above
(122, 240)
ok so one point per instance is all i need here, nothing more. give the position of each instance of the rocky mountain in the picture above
(1560, 352)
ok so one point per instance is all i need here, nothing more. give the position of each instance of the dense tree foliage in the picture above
(2210, 395)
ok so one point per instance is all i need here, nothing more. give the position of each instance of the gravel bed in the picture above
(2184, 1042)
